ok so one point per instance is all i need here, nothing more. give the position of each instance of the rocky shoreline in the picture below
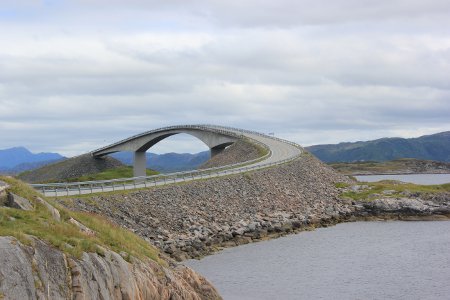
(196, 219)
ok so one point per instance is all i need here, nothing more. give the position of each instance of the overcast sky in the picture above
(77, 75)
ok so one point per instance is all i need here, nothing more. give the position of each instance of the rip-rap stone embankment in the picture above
(195, 218)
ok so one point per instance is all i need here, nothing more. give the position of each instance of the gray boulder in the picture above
(18, 202)
(16, 276)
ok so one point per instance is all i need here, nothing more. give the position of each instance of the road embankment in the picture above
(196, 218)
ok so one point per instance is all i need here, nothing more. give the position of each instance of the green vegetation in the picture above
(404, 165)
(389, 188)
(341, 185)
(65, 235)
(120, 172)
(20, 188)
(261, 150)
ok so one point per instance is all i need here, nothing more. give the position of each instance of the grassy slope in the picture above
(64, 235)
(395, 189)
(120, 172)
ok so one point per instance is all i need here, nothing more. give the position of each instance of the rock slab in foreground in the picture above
(18, 202)
(43, 272)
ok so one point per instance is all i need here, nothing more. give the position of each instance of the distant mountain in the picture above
(18, 159)
(429, 147)
(31, 166)
(168, 162)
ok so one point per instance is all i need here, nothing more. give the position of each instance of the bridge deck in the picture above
(280, 151)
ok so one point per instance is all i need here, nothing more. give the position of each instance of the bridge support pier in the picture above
(139, 164)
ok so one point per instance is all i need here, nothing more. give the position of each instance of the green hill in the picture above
(429, 147)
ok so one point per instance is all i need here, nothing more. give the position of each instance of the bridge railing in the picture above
(87, 187)
(254, 132)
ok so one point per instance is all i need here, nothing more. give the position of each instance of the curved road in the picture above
(281, 151)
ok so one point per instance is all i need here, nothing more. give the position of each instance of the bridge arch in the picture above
(215, 139)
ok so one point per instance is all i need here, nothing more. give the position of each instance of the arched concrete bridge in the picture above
(216, 137)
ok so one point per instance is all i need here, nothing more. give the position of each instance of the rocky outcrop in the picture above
(70, 168)
(437, 207)
(43, 272)
(53, 211)
(395, 202)
(240, 151)
(196, 218)
(18, 202)
(9, 199)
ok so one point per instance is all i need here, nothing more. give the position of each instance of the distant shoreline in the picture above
(404, 166)
(421, 173)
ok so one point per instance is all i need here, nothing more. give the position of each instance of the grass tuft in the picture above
(120, 172)
(64, 235)
(341, 184)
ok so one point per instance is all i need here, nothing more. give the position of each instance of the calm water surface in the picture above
(412, 178)
(363, 260)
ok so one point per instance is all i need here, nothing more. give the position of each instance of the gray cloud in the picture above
(76, 75)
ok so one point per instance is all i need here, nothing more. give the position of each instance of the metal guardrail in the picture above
(88, 187)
